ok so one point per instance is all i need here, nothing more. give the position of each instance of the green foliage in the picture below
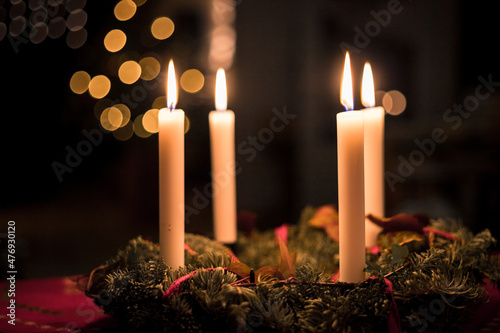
(447, 276)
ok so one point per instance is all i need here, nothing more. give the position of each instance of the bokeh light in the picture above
(125, 10)
(139, 2)
(38, 33)
(139, 129)
(38, 16)
(3, 30)
(79, 82)
(150, 68)
(115, 117)
(129, 72)
(394, 102)
(125, 111)
(17, 26)
(379, 96)
(159, 102)
(129, 66)
(124, 133)
(72, 5)
(111, 118)
(115, 40)
(76, 20)
(187, 124)
(99, 86)
(57, 26)
(18, 8)
(75, 39)
(192, 81)
(162, 28)
(150, 121)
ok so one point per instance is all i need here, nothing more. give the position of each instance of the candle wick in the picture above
(171, 107)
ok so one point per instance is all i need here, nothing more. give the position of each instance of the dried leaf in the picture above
(399, 253)
(323, 216)
(269, 270)
(287, 261)
(326, 217)
(401, 222)
(239, 269)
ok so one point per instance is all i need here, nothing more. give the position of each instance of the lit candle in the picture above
(374, 156)
(221, 122)
(350, 152)
(171, 156)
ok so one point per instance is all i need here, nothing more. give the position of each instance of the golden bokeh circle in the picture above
(99, 86)
(150, 121)
(129, 72)
(139, 2)
(115, 117)
(192, 81)
(394, 102)
(125, 111)
(187, 124)
(79, 82)
(159, 102)
(125, 10)
(109, 119)
(150, 68)
(139, 128)
(162, 28)
(115, 40)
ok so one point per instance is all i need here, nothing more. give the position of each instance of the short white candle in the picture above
(350, 153)
(374, 156)
(171, 158)
(221, 122)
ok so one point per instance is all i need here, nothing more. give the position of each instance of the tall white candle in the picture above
(171, 157)
(350, 153)
(221, 123)
(374, 156)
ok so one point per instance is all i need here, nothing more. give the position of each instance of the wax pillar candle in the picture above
(373, 156)
(221, 123)
(171, 158)
(350, 151)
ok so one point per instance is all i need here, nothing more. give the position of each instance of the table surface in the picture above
(51, 305)
(56, 305)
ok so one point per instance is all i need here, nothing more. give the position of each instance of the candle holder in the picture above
(423, 269)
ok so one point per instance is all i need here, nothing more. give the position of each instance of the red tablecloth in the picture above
(51, 305)
(56, 305)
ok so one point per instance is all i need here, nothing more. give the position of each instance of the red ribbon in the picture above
(440, 233)
(175, 286)
(393, 321)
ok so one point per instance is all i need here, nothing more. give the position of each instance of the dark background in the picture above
(287, 55)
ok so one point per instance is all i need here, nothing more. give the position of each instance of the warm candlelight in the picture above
(374, 156)
(221, 124)
(350, 152)
(171, 157)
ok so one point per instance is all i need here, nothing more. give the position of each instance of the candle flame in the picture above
(171, 87)
(220, 91)
(346, 98)
(367, 87)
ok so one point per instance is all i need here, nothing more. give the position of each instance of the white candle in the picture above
(171, 157)
(350, 152)
(221, 122)
(374, 156)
